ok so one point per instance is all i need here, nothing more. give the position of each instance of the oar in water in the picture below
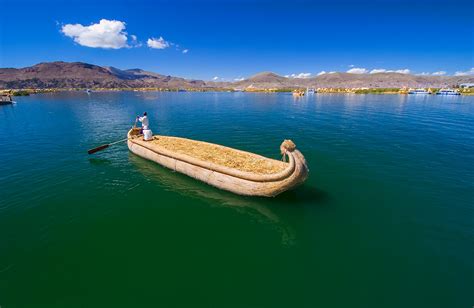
(104, 146)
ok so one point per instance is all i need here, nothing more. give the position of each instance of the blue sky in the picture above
(234, 39)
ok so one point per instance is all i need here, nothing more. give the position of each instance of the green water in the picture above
(386, 218)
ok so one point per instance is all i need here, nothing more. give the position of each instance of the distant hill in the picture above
(386, 80)
(347, 80)
(83, 75)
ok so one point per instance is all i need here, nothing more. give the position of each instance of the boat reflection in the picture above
(250, 206)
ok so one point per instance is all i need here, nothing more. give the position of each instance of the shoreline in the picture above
(378, 91)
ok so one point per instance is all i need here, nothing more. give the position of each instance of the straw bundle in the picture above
(220, 155)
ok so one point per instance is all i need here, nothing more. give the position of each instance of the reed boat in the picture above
(237, 171)
(298, 93)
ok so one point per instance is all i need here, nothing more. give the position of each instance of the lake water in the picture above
(385, 219)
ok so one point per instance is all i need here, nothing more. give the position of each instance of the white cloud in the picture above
(321, 73)
(467, 73)
(107, 34)
(440, 73)
(300, 75)
(215, 78)
(378, 70)
(157, 43)
(185, 50)
(239, 79)
(352, 65)
(403, 71)
(382, 70)
(134, 41)
(358, 70)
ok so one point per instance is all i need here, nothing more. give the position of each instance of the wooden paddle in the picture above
(104, 146)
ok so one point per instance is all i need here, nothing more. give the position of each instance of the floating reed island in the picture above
(240, 172)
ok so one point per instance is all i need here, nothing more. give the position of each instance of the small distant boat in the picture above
(404, 90)
(448, 92)
(298, 93)
(6, 99)
(240, 172)
(419, 91)
(88, 91)
(310, 91)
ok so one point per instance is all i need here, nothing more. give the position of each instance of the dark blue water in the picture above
(386, 218)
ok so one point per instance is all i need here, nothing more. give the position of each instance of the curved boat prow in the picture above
(301, 170)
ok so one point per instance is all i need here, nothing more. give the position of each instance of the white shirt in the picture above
(144, 121)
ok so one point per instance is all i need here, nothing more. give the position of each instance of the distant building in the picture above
(466, 85)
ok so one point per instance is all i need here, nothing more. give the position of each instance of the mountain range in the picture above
(83, 75)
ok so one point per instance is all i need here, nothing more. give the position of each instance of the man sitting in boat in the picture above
(146, 131)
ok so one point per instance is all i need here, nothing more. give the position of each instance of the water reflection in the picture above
(182, 184)
(304, 194)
